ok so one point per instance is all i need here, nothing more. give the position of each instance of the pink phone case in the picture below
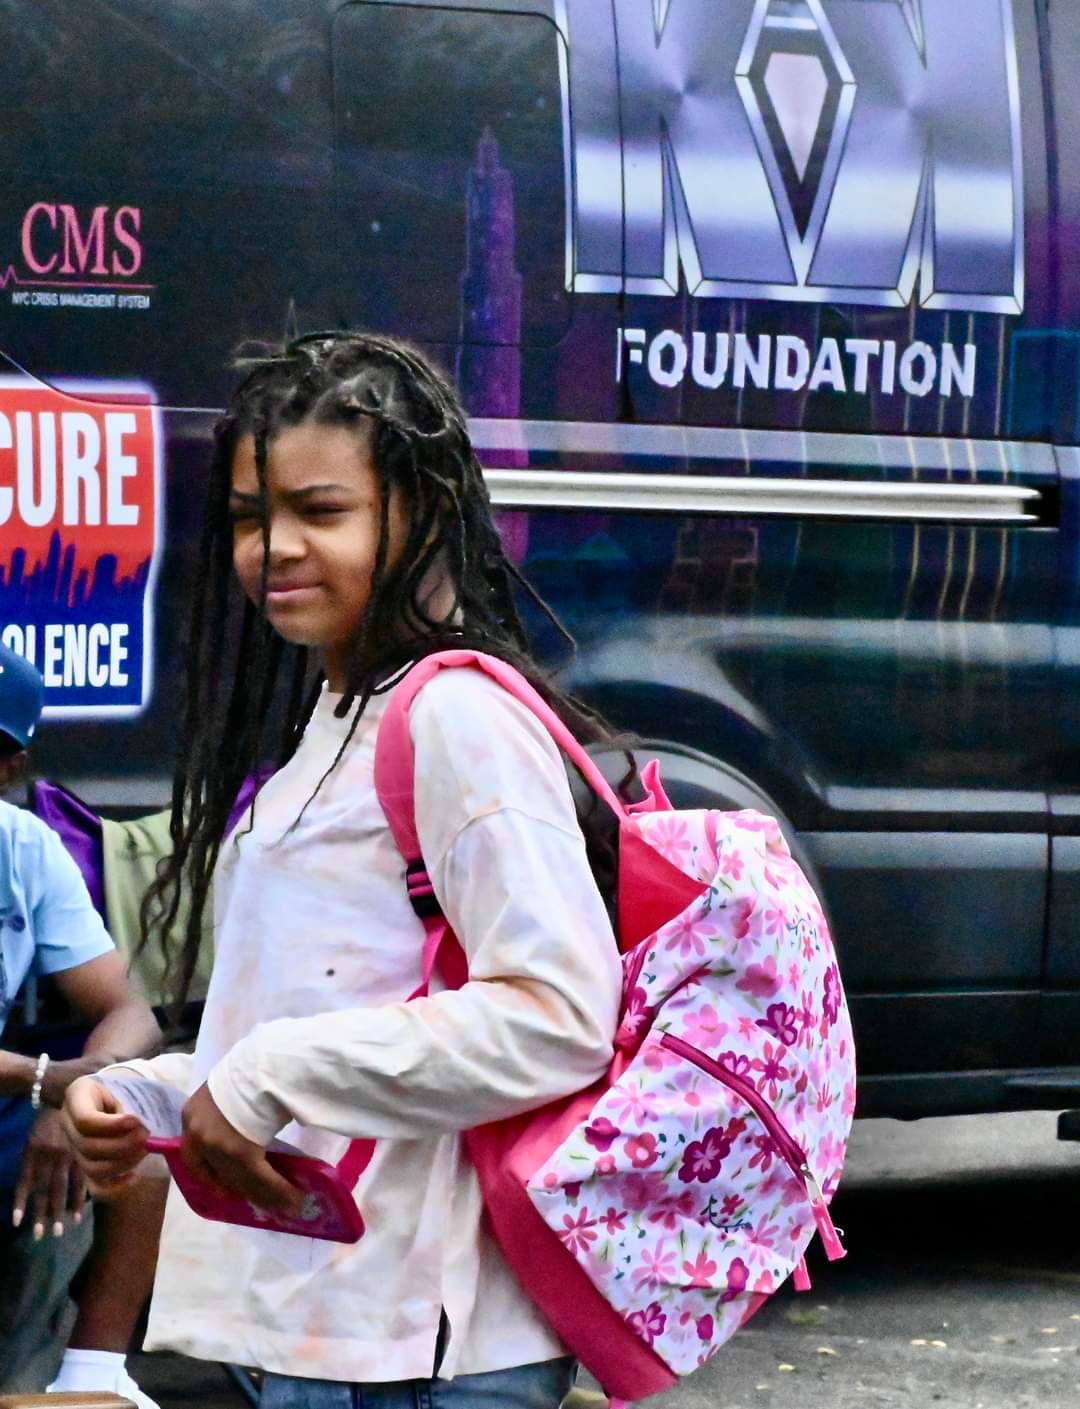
(329, 1210)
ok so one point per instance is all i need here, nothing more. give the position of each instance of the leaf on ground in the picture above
(919, 1341)
(825, 1350)
(940, 1345)
(785, 1368)
(1049, 1331)
(804, 1316)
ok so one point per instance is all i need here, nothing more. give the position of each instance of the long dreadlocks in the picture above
(420, 447)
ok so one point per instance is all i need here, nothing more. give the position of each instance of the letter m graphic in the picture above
(851, 151)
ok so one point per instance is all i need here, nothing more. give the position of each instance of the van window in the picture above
(451, 201)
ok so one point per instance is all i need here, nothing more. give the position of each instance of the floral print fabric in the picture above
(680, 1195)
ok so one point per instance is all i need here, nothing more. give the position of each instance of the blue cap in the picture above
(22, 692)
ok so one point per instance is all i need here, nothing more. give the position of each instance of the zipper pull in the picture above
(830, 1241)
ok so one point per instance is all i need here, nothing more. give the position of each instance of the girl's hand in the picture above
(49, 1181)
(217, 1152)
(108, 1141)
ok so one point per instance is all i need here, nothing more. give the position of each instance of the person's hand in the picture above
(222, 1157)
(50, 1183)
(108, 1141)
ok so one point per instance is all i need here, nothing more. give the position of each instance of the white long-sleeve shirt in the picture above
(306, 1034)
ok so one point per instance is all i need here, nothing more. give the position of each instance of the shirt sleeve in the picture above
(67, 930)
(170, 1068)
(537, 1017)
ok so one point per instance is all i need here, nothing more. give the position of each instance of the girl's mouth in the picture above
(290, 591)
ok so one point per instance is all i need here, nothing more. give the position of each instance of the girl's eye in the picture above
(318, 511)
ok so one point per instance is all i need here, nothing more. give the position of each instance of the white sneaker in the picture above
(130, 1390)
(100, 1376)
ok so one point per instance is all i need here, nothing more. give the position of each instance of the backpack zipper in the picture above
(793, 1153)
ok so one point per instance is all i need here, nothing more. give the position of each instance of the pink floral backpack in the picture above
(651, 1215)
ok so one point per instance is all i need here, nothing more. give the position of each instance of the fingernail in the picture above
(17, 1217)
(39, 1232)
(58, 1229)
(77, 1217)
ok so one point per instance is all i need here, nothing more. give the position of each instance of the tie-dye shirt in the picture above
(306, 1033)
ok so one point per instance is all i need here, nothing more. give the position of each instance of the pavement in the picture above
(961, 1289)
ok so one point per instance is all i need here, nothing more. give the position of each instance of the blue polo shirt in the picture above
(47, 924)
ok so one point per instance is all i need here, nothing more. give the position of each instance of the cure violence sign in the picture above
(79, 530)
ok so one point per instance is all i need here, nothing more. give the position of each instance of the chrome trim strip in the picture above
(949, 453)
(720, 494)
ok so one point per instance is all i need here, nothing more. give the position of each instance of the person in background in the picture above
(48, 926)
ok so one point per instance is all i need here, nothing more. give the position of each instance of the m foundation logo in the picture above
(859, 152)
(78, 257)
(79, 540)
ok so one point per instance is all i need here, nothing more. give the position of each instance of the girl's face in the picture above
(322, 502)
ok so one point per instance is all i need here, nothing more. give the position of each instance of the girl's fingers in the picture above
(105, 1162)
(197, 1161)
(130, 1146)
(257, 1181)
(107, 1142)
(217, 1152)
(78, 1124)
(91, 1108)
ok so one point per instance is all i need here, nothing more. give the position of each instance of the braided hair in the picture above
(241, 674)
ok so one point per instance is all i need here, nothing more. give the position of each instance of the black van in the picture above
(767, 314)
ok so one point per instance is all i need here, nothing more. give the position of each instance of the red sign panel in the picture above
(79, 529)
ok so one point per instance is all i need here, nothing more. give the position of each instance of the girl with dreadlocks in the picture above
(348, 506)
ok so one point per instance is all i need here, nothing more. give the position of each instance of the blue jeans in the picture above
(539, 1386)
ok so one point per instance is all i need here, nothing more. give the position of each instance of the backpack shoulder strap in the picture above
(650, 889)
(394, 755)
(395, 766)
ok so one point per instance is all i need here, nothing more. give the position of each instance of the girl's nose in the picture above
(286, 541)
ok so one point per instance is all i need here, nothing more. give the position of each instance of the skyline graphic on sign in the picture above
(53, 581)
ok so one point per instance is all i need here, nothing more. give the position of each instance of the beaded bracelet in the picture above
(39, 1078)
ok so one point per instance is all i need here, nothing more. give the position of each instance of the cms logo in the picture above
(60, 239)
(851, 151)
